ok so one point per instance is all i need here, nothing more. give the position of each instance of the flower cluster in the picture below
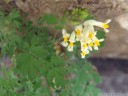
(86, 35)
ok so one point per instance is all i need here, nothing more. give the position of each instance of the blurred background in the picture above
(112, 60)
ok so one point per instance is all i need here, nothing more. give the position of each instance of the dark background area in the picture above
(114, 73)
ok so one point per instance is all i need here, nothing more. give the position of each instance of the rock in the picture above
(104, 8)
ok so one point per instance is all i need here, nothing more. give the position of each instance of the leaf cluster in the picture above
(36, 70)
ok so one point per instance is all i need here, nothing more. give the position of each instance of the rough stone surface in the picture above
(99, 8)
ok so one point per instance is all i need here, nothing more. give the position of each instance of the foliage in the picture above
(78, 14)
(35, 68)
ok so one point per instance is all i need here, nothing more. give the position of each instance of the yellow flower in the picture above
(78, 30)
(94, 41)
(91, 34)
(84, 41)
(106, 26)
(86, 35)
(84, 53)
(84, 46)
(103, 25)
(65, 37)
(91, 44)
(97, 42)
(71, 41)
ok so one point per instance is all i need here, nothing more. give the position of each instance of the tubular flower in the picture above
(65, 37)
(103, 25)
(78, 30)
(86, 35)
(90, 45)
(97, 43)
(84, 53)
(91, 34)
(84, 47)
(71, 41)
(84, 43)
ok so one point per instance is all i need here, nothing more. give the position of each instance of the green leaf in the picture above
(16, 23)
(89, 17)
(29, 86)
(27, 65)
(64, 93)
(56, 60)
(92, 91)
(39, 52)
(40, 20)
(1, 14)
(50, 19)
(58, 27)
(100, 34)
(63, 20)
(42, 92)
(58, 75)
(102, 44)
(83, 14)
(46, 66)
(96, 77)
(26, 46)
(14, 14)
(36, 40)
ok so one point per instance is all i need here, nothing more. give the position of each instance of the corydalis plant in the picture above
(86, 35)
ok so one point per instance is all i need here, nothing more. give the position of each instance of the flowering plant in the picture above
(86, 35)
(35, 66)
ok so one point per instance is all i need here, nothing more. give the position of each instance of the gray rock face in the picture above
(104, 8)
